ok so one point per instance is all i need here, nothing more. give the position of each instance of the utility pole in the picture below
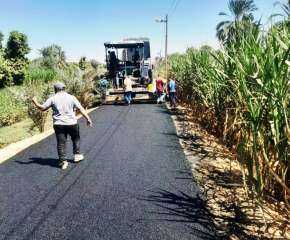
(166, 46)
(165, 20)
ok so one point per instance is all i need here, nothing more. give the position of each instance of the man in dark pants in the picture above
(65, 121)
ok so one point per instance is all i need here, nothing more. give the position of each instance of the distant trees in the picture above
(17, 46)
(53, 57)
(13, 60)
(94, 64)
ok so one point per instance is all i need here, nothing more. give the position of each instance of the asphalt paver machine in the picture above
(130, 57)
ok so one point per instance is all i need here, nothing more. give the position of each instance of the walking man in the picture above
(64, 121)
(171, 88)
(128, 90)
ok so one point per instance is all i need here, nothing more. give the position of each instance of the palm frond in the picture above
(223, 14)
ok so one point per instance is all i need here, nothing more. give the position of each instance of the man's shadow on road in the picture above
(52, 162)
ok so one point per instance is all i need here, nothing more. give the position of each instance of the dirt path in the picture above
(214, 167)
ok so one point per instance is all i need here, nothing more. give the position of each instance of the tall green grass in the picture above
(241, 93)
(40, 75)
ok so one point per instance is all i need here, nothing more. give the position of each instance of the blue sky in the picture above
(81, 27)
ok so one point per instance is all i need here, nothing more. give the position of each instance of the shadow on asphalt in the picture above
(193, 209)
(179, 207)
(52, 162)
(171, 112)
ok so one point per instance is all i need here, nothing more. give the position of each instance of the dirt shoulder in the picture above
(236, 215)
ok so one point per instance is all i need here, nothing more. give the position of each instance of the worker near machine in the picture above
(128, 90)
(171, 90)
(136, 57)
(113, 64)
(64, 121)
(160, 90)
(103, 85)
(122, 78)
(117, 79)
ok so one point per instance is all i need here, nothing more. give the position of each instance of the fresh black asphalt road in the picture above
(134, 184)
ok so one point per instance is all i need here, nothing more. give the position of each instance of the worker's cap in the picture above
(59, 86)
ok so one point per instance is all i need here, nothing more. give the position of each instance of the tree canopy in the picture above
(53, 56)
(17, 46)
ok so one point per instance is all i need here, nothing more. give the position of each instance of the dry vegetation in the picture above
(237, 214)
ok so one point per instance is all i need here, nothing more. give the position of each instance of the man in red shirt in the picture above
(159, 89)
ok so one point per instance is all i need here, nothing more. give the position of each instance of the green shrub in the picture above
(12, 110)
(38, 117)
(25, 95)
(79, 84)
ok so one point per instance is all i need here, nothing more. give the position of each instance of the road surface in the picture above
(133, 185)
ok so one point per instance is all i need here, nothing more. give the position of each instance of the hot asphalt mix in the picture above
(133, 184)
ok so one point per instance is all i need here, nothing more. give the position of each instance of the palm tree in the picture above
(285, 9)
(240, 11)
(1, 39)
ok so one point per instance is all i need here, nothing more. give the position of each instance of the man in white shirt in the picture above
(64, 121)
(128, 90)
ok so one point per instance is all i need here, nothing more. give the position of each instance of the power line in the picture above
(175, 7)
(172, 5)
